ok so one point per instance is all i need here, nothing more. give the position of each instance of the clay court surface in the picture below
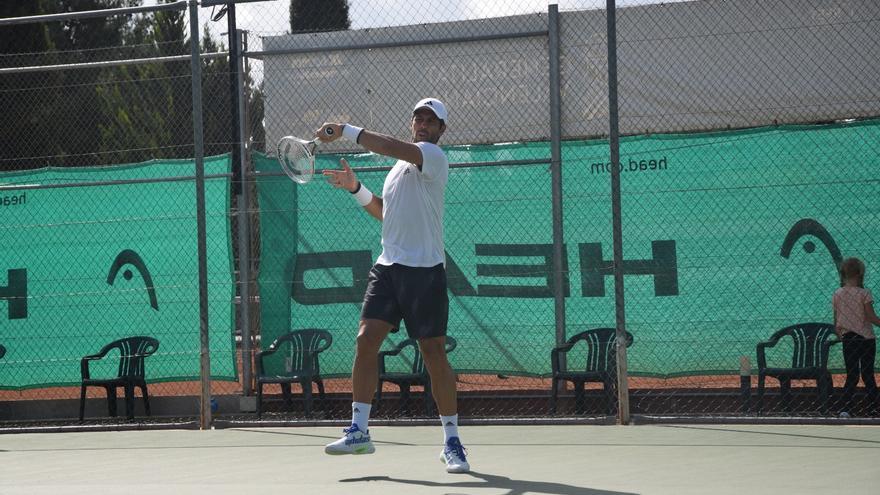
(465, 383)
(505, 460)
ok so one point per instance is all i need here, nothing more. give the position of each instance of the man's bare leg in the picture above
(365, 371)
(364, 375)
(442, 377)
(446, 397)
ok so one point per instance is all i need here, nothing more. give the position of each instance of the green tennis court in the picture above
(506, 460)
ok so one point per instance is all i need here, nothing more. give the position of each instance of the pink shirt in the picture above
(849, 304)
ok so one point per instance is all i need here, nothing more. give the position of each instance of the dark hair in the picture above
(852, 268)
(442, 122)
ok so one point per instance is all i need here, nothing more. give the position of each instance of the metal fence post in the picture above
(235, 94)
(560, 275)
(244, 235)
(199, 151)
(616, 221)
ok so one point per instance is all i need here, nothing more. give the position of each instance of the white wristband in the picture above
(362, 195)
(350, 132)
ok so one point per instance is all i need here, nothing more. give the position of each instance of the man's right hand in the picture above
(322, 134)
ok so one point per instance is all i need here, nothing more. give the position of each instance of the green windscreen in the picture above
(85, 260)
(727, 237)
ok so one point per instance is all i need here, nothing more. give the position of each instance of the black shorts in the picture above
(416, 295)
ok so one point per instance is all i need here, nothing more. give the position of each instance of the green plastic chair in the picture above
(130, 373)
(293, 358)
(415, 374)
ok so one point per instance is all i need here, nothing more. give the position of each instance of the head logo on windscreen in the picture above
(810, 227)
(15, 294)
(129, 257)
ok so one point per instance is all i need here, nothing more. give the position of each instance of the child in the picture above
(853, 316)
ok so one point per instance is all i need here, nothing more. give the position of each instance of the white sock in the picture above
(450, 427)
(360, 414)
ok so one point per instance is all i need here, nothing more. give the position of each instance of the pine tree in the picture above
(25, 106)
(83, 40)
(121, 114)
(216, 110)
(145, 109)
(51, 114)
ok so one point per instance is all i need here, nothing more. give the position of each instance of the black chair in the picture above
(293, 358)
(130, 373)
(811, 343)
(600, 366)
(410, 357)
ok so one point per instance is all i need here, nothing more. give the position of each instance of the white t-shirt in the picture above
(849, 304)
(412, 210)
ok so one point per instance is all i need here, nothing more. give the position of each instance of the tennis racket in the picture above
(297, 157)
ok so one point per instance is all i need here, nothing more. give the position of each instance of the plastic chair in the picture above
(130, 373)
(600, 366)
(809, 361)
(416, 373)
(297, 362)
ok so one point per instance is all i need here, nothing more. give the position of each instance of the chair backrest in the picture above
(417, 367)
(2, 351)
(418, 363)
(300, 349)
(132, 351)
(601, 352)
(808, 339)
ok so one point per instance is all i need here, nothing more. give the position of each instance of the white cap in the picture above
(434, 105)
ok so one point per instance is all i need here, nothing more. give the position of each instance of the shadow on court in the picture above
(489, 481)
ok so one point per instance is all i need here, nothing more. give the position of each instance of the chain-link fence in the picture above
(693, 187)
(103, 229)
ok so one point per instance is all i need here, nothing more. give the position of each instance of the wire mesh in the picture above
(99, 216)
(747, 162)
(761, 216)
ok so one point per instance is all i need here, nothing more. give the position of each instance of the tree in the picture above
(120, 114)
(88, 33)
(84, 40)
(217, 99)
(23, 38)
(51, 116)
(255, 115)
(145, 109)
(149, 106)
(23, 120)
(318, 15)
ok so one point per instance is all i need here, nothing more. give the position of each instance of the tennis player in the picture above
(408, 281)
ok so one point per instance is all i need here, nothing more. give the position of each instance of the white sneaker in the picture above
(454, 456)
(354, 442)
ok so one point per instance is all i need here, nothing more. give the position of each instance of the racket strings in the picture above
(296, 159)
